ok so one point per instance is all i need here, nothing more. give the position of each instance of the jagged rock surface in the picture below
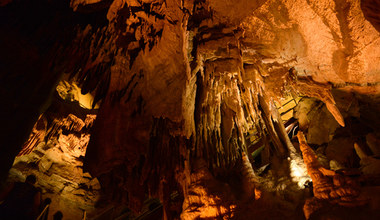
(54, 153)
(328, 186)
(181, 81)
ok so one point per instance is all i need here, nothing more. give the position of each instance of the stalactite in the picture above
(43, 131)
(36, 136)
(62, 116)
(182, 85)
(267, 117)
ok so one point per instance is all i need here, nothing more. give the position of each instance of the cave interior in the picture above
(193, 109)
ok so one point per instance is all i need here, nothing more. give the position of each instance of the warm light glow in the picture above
(71, 92)
(298, 172)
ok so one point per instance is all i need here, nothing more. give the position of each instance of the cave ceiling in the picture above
(179, 80)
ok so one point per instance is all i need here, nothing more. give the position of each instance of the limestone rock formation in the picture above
(328, 186)
(54, 153)
(202, 204)
(369, 164)
(178, 82)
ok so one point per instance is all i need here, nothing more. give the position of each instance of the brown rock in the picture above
(181, 82)
(342, 151)
(201, 202)
(316, 117)
(328, 186)
(373, 141)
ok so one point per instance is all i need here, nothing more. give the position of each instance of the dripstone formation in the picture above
(180, 109)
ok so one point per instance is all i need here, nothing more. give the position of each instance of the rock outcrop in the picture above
(329, 187)
(54, 153)
(178, 82)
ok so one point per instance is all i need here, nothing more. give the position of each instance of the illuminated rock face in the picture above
(202, 204)
(328, 40)
(54, 154)
(183, 81)
(328, 186)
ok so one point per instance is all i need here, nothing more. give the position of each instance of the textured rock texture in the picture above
(202, 204)
(179, 82)
(54, 153)
(328, 186)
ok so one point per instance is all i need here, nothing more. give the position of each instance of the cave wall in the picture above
(180, 81)
(224, 63)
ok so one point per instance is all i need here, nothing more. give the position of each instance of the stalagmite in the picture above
(328, 186)
(250, 182)
(179, 98)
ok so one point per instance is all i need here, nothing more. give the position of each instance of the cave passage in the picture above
(195, 109)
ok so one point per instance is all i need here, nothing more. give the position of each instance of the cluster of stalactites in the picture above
(231, 99)
(227, 103)
(43, 130)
